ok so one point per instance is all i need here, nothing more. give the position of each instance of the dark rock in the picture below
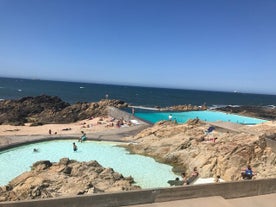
(253, 111)
(67, 170)
(51, 109)
(44, 164)
(64, 161)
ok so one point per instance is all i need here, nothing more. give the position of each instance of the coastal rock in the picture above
(188, 107)
(268, 113)
(77, 178)
(186, 146)
(51, 109)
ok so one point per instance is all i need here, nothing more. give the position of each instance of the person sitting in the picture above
(83, 137)
(176, 182)
(247, 174)
(209, 130)
(193, 176)
(184, 178)
(217, 179)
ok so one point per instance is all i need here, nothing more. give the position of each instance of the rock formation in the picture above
(48, 109)
(65, 178)
(186, 146)
(267, 113)
(188, 107)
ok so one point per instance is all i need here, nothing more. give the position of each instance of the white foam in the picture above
(144, 107)
(206, 180)
(134, 121)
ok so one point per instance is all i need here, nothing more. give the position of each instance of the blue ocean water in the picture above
(73, 92)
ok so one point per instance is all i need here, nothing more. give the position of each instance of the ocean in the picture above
(73, 92)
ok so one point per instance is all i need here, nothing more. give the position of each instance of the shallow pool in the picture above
(210, 116)
(146, 171)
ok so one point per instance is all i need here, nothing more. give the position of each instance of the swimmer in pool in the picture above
(75, 148)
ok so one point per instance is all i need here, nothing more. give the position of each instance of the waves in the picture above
(145, 108)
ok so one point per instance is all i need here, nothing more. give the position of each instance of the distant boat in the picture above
(81, 87)
(19, 90)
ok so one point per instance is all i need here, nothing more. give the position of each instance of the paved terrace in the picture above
(268, 200)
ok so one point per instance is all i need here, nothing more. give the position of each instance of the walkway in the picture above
(268, 200)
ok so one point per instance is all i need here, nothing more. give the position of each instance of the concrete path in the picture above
(268, 200)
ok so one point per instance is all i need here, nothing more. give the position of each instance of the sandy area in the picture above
(88, 126)
(99, 128)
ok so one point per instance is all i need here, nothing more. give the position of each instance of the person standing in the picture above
(75, 148)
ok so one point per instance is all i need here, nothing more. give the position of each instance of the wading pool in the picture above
(145, 170)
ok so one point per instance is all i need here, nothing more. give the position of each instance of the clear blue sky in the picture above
(223, 45)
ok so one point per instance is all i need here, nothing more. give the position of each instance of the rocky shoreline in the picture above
(222, 152)
(45, 109)
(252, 111)
(65, 178)
(186, 146)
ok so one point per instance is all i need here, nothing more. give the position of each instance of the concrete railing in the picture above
(227, 190)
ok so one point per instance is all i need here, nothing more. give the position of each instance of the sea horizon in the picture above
(149, 96)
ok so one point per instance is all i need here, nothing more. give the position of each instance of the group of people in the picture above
(246, 174)
(81, 139)
(185, 179)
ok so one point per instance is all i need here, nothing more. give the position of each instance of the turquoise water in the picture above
(210, 116)
(143, 169)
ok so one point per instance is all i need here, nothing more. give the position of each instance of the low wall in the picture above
(271, 143)
(227, 190)
(118, 114)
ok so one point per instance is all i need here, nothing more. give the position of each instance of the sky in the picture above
(220, 45)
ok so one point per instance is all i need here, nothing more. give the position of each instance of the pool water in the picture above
(209, 116)
(143, 169)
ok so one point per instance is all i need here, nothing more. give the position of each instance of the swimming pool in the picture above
(143, 169)
(209, 116)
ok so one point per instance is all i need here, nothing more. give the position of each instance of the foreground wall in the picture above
(226, 190)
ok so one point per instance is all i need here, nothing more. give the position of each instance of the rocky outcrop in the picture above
(188, 107)
(186, 146)
(267, 113)
(50, 109)
(65, 178)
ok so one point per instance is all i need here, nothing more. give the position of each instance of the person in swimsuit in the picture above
(75, 148)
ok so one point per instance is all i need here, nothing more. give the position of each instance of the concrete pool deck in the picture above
(115, 135)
